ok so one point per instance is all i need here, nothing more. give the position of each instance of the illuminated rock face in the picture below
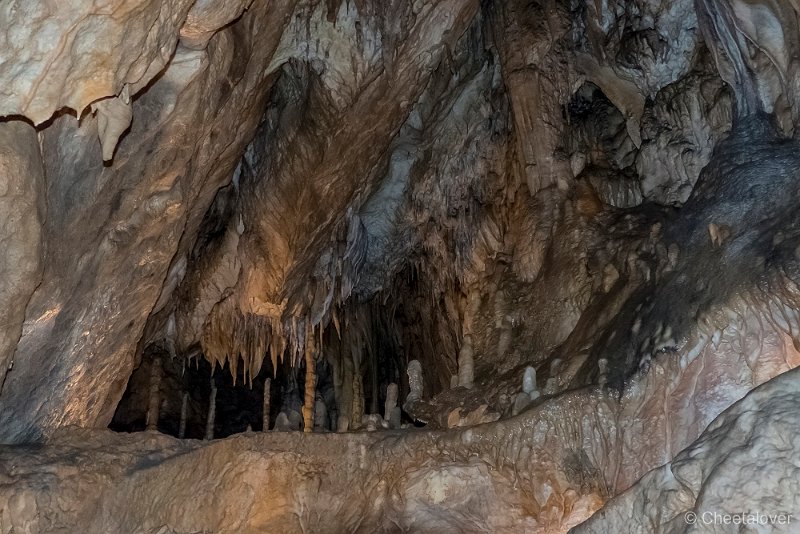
(110, 232)
(740, 473)
(22, 203)
(52, 58)
(562, 236)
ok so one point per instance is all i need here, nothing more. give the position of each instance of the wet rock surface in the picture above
(499, 261)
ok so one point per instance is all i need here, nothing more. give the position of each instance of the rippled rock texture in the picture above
(743, 466)
(560, 234)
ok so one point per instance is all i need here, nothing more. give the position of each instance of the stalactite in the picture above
(265, 405)
(231, 336)
(309, 398)
(212, 409)
(184, 413)
(154, 398)
(717, 22)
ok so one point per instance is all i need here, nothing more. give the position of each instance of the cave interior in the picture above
(399, 266)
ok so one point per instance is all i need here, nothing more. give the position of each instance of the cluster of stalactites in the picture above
(234, 337)
(231, 334)
(248, 339)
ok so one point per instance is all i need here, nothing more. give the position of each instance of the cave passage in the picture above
(177, 392)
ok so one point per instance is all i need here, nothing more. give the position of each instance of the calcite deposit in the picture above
(399, 266)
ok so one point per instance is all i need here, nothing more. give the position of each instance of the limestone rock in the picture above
(742, 468)
(206, 17)
(144, 209)
(56, 43)
(22, 205)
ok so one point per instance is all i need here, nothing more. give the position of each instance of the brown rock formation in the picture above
(561, 235)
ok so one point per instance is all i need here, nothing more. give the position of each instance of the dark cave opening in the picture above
(237, 405)
(184, 385)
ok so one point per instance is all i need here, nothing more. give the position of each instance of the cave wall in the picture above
(111, 227)
(599, 193)
(560, 114)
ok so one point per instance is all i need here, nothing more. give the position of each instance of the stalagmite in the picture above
(373, 422)
(282, 423)
(718, 233)
(610, 277)
(309, 398)
(466, 367)
(414, 371)
(154, 397)
(184, 414)
(391, 400)
(529, 392)
(212, 409)
(529, 380)
(392, 411)
(504, 337)
(602, 365)
(521, 401)
(265, 404)
(342, 423)
(345, 398)
(551, 386)
(502, 322)
(373, 366)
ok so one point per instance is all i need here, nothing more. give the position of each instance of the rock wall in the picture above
(112, 227)
(598, 196)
